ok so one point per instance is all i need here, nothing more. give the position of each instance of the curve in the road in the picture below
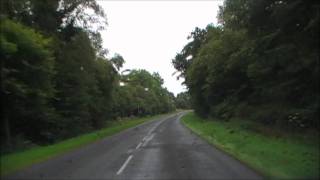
(160, 149)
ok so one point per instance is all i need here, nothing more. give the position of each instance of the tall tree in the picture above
(26, 80)
(257, 58)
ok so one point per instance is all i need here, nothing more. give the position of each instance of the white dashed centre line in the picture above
(149, 138)
(138, 145)
(124, 165)
(144, 142)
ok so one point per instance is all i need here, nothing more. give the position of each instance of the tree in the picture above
(53, 16)
(101, 104)
(142, 94)
(257, 63)
(56, 81)
(26, 81)
(76, 84)
(117, 61)
(183, 101)
(183, 60)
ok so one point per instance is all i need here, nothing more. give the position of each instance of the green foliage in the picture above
(117, 61)
(52, 16)
(264, 54)
(56, 81)
(27, 68)
(183, 101)
(76, 84)
(183, 60)
(142, 94)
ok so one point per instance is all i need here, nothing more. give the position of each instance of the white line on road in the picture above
(124, 165)
(148, 139)
(144, 138)
(138, 145)
(144, 142)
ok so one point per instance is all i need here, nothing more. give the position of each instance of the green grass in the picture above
(275, 157)
(17, 160)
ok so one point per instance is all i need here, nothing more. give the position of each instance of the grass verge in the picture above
(276, 157)
(17, 160)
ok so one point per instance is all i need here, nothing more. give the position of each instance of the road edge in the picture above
(218, 147)
(3, 174)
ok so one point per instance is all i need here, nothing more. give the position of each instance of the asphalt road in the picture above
(159, 149)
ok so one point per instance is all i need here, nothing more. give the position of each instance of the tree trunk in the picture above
(3, 110)
(7, 132)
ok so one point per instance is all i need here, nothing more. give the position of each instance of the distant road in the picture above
(160, 149)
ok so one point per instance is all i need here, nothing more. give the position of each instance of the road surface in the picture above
(159, 149)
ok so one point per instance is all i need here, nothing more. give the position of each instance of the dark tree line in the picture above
(56, 81)
(260, 63)
(183, 101)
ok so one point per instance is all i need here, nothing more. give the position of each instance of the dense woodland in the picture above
(183, 101)
(260, 63)
(56, 80)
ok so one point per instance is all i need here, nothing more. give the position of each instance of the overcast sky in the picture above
(148, 34)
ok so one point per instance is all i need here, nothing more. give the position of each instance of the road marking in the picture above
(144, 138)
(148, 139)
(124, 165)
(144, 142)
(156, 126)
(138, 145)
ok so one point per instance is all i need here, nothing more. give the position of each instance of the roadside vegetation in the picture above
(271, 152)
(260, 63)
(14, 161)
(59, 91)
(182, 101)
(57, 81)
(258, 70)
(254, 80)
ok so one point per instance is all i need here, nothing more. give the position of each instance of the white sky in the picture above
(148, 34)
